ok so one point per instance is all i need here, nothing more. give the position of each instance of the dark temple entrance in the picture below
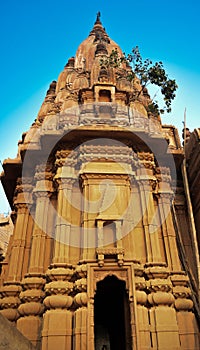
(112, 316)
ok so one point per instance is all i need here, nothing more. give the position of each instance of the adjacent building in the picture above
(6, 229)
(102, 255)
(192, 151)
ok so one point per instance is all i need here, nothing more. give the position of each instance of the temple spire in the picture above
(99, 31)
(98, 21)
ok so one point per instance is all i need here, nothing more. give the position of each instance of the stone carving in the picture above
(147, 160)
(59, 289)
(102, 137)
(101, 253)
(10, 301)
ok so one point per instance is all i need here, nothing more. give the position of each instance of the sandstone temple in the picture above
(105, 249)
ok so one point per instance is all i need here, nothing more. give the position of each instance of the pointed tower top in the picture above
(98, 21)
(98, 30)
(98, 42)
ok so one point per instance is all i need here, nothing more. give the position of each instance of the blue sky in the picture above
(38, 37)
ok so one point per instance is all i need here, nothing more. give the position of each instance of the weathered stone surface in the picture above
(101, 250)
(11, 338)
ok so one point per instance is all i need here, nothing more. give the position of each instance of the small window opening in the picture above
(109, 234)
(104, 96)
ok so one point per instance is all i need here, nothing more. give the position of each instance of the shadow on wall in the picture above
(11, 338)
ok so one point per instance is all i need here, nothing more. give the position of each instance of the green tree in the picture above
(148, 73)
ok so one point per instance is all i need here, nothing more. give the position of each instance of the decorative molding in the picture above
(102, 252)
(10, 301)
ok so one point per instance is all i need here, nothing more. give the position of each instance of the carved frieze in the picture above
(140, 283)
(23, 194)
(103, 252)
(81, 270)
(43, 172)
(59, 287)
(163, 174)
(147, 159)
(65, 158)
(21, 208)
(101, 274)
(80, 285)
(120, 154)
(159, 285)
(60, 273)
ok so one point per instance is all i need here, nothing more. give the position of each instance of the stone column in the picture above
(18, 262)
(118, 225)
(31, 309)
(80, 330)
(57, 325)
(134, 242)
(63, 222)
(66, 218)
(100, 239)
(10, 301)
(187, 323)
(147, 182)
(19, 253)
(88, 221)
(162, 314)
(165, 197)
(32, 295)
(144, 340)
(40, 255)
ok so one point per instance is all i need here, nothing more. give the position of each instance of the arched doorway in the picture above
(112, 315)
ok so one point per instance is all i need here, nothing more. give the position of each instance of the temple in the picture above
(104, 254)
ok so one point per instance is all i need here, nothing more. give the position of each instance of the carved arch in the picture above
(116, 274)
(122, 274)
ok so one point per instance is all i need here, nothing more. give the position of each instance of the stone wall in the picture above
(6, 229)
(193, 165)
(11, 338)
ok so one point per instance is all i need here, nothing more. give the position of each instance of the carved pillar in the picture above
(18, 262)
(63, 227)
(144, 340)
(134, 241)
(147, 183)
(187, 323)
(10, 301)
(32, 295)
(80, 331)
(118, 225)
(65, 178)
(40, 255)
(31, 309)
(18, 259)
(57, 326)
(87, 223)
(162, 314)
(164, 201)
(100, 239)
(169, 232)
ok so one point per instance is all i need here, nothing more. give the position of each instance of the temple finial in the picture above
(98, 17)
